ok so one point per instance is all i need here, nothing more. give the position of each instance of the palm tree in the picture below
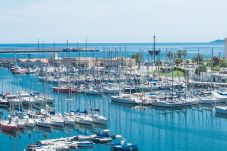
(179, 54)
(137, 56)
(199, 59)
(184, 53)
(169, 55)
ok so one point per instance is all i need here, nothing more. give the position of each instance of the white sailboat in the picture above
(99, 119)
(57, 120)
(221, 110)
(83, 119)
(44, 122)
(126, 99)
(30, 122)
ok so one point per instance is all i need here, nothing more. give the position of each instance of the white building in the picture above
(225, 47)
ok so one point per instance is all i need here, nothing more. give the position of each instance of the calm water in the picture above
(151, 128)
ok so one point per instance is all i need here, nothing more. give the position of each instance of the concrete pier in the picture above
(48, 50)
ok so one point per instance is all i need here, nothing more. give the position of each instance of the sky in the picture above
(25, 21)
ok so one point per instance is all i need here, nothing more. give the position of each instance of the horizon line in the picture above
(108, 43)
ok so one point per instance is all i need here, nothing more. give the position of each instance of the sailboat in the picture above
(221, 110)
(8, 126)
(57, 120)
(84, 119)
(99, 119)
(70, 119)
(44, 122)
(126, 99)
(65, 89)
(30, 122)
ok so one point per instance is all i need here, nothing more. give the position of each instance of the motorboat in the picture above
(123, 146)
(84, 144)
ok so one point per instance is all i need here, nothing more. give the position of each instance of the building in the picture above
(31, 63)
(225, 47)
(89, 62)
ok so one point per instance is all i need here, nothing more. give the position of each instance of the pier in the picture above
(48, 50)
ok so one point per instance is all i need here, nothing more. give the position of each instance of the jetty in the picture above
(47, 50)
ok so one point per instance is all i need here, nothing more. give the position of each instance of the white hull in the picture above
(43, 124)
(221, 110)
(207, 101)
(30, 124)
(124, 100)
(99, 120)
(69, 121)
(58, 123)
(166, 104)
(84, 120)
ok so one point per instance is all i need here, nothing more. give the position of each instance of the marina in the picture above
(94, 75)
(49, 102)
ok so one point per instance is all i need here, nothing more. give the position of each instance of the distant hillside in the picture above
(218, 41)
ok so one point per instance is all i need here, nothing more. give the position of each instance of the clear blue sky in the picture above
(24, 21)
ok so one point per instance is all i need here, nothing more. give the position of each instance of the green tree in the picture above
(199, 69)
(158, 63)
(199, 59)
(184, 53)
(169, 55)
(215, 61)
(223, 63)
(138, 57)
(178, 61)
(179, 54)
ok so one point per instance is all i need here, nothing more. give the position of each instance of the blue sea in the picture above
(153, 129)
(121, 49)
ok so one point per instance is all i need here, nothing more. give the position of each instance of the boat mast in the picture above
(154, 47)
(212, 64)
